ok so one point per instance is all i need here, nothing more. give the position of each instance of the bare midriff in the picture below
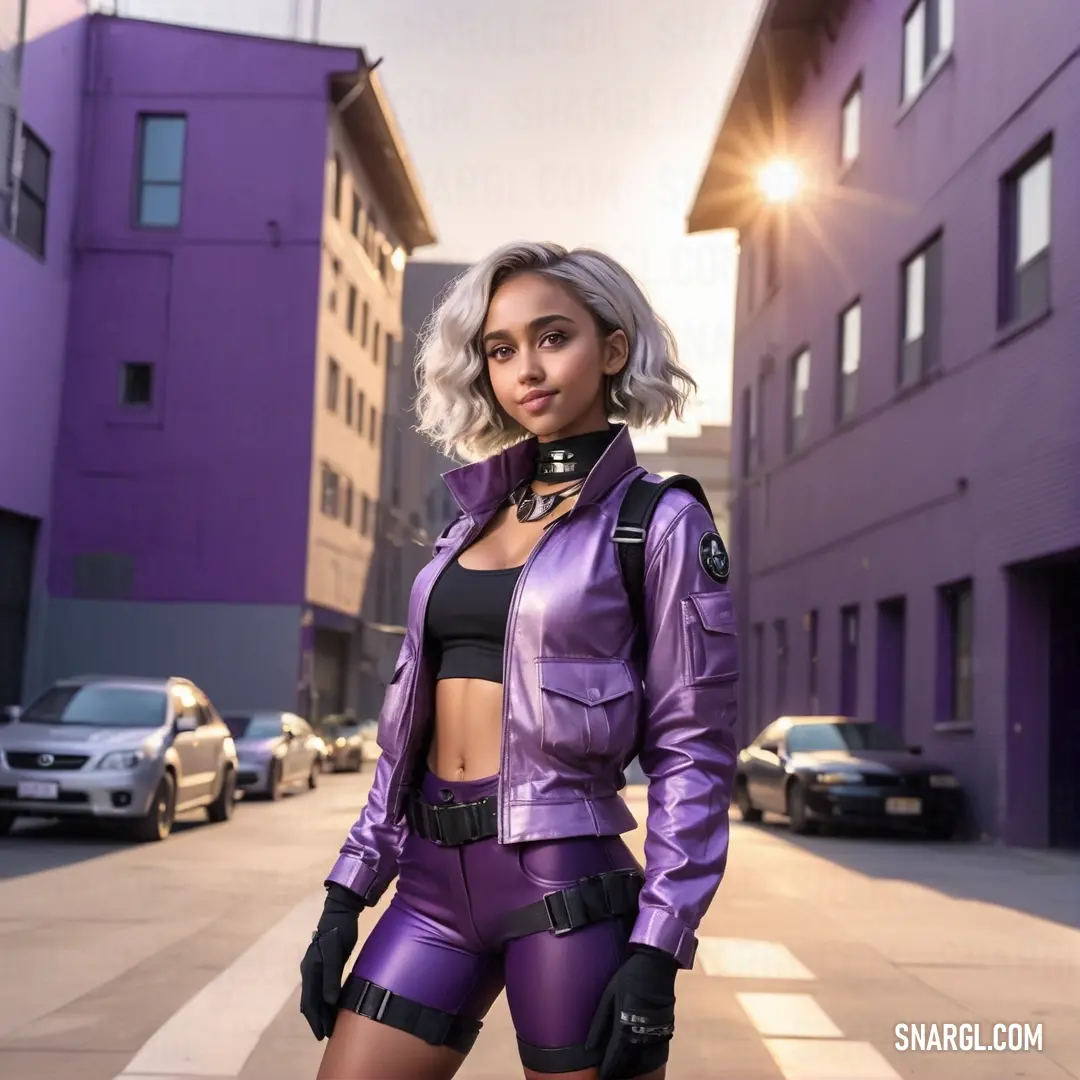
(467, 740)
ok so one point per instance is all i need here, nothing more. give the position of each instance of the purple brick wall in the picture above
(207, 492)
(973, 471)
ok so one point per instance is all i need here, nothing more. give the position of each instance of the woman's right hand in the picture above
(323, 968)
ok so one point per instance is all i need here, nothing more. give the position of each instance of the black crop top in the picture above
(466, 622)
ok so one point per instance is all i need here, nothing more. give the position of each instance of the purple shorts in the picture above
(442, 943)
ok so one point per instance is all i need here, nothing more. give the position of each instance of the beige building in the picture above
(707, 458)
(374, 217)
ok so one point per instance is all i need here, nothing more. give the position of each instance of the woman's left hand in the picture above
(636, 1017)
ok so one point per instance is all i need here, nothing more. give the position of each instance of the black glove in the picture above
(323, 966)
(636, 1017)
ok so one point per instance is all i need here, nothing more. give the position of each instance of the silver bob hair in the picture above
(456, 406)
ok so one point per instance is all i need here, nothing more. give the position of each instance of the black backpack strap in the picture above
(638, 506)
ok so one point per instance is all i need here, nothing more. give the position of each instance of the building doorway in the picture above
(1064, 701)
(1042, 749)
(891, 638)
(18, 540)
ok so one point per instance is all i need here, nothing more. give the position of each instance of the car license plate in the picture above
(899, 805)
(38, 789)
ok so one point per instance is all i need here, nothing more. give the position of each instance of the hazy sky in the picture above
(579, 121)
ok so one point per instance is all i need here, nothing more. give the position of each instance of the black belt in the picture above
(605, 896)
(455, 823)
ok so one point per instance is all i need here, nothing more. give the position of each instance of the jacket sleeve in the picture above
(688, 746)
(368, 860)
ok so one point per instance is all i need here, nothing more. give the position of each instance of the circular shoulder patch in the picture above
(714, 557)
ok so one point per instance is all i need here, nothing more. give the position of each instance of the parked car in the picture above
(344, 736)
(278, 752)
(111, 748)
(840, 770)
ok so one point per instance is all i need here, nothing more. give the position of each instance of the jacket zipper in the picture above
(511, 619)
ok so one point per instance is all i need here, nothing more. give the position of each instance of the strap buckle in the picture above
(559, 925)
(377, 1010)
(628, 534)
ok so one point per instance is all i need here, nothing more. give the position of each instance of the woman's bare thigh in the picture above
(361, 1049)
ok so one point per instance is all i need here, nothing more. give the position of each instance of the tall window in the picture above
(849, 660)
(798, 387)
(33, 201)
(331, 487)
(337, 179)
(161, 169)
(349, 400)
(749, 429)
(850, 124)
(772, 255)
(350, 311)
(922, 313)
(780, 626)
(357, 211)
(759, 676)
(812, 660)
(333, 384)
(1025, 239)
(955, 652)
(928, 36)
(848, 360)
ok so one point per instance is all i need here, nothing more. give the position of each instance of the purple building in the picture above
(243, 214)
(906, 522)
(41, 62)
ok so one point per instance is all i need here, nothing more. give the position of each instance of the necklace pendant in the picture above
(533, 507)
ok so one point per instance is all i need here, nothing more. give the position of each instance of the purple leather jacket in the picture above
(575, 706)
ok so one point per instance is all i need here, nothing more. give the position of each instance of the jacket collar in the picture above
(484, 485)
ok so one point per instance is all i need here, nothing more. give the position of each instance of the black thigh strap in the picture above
(561, 1059)
(432, 1025)
(454, 824)
(605, 896)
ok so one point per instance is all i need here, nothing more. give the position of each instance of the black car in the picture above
(844, 771)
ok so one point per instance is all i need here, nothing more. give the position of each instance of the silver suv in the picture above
(108, 748)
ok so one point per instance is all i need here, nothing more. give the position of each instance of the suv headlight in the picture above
(839, 778)
(944, 780)
(123, 759)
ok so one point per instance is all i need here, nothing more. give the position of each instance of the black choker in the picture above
(572, 458)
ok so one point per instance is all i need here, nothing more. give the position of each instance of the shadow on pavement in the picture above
(1044, 884)
(39, 844)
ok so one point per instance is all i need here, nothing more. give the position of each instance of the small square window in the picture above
(137, 385)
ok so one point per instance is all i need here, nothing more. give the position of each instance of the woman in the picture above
(522, 690)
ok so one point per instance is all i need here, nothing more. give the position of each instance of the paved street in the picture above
(180, 959)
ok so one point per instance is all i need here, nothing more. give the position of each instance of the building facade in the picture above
(416, 504)
(906, 523)
(41, 49)
(705, 456)
(243, 212)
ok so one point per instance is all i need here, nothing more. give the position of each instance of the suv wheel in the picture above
(221, 808)
(157, 823)
(7, 819)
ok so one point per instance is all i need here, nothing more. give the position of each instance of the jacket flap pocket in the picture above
(716, 611)
(591, 682)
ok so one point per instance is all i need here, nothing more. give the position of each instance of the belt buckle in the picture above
(556, 930)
